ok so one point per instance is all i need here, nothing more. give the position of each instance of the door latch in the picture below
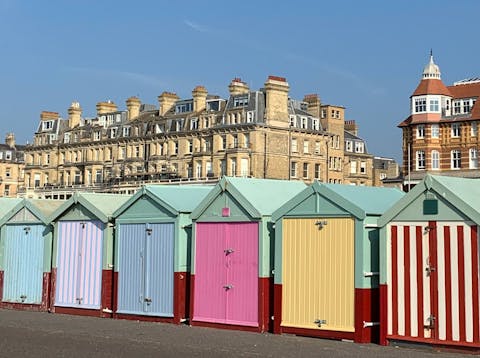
(431, 322)
(149, 231)
(23, 298)
(79, 300)
(148, 300)
(228, 251)
(319, 322)
(228, 287)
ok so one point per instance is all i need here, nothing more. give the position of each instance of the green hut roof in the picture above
(372, 200)
(360, 201)
(463, 193)
(260, 197)
(6, 205)
(175, 198)
(41, 208)
(101, 205)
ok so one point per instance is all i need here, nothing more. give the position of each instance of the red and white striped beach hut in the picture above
(429, 259)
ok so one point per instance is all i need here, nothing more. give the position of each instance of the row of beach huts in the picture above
(325, 260)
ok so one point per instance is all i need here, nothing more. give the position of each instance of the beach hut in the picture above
(326, 261)
(6, 205)
(26, 252)
(152, 252)
(82, 274)
(429, 264)
(232, 253)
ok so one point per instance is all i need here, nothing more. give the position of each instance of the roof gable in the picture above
(258, 197)
(359, 201)
(460, 192)
(102, 206)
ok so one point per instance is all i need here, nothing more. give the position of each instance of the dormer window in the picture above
(46, 125)
(348, 146)
(466, 106)
(126, 131)
(66, 138)
(240, 101)
(113, 132)
(359, 147)
(8, 155)
(184, 107)
(96, 135)
(250, 116)
(457, 107)
(304, 122)
(316, 124)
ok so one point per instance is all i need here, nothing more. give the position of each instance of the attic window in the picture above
(184, 107)
(47, 125)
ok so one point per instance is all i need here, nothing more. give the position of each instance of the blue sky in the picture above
(365, 55)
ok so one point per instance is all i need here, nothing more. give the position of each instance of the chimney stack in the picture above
(351, 126)
(74, 115)
(313, 102)
(47, 116)
(106, 107)
(10, 140)
(276, 108)
(166, 101)
(199, 94)
(133, 107)
(237, 87)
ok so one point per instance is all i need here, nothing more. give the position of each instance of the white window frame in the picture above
(474, 129)
(420, 131)
(473, 158)
(353, 167)
(294, 145)
(306, 147)
(435, 158)
(456, 159)
(420, 160)
(293, 169)
(455, 130)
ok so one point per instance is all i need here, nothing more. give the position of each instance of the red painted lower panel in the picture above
(265, 308)
(383, 314)
(181, 290)
(367, 309)
(53, 285)
(277, 309)
(107, 293)
(1, 285)
(43, 306)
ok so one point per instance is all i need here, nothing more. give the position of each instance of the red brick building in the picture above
(441, 134)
